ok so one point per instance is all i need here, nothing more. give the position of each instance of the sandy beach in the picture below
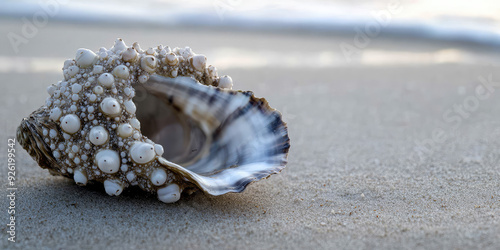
(383, 156)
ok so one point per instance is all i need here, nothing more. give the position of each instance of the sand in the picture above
(356, 179)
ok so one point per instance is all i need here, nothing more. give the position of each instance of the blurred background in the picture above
(354, 30)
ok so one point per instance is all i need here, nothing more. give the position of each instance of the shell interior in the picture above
(220, 140)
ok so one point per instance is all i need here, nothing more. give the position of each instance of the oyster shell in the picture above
(160, 119)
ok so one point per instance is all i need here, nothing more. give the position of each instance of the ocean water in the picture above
(468, 21)
(473, 22)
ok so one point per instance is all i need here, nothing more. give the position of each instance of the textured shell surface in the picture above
(161, 119)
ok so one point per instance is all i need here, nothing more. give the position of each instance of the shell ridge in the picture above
(232, 180)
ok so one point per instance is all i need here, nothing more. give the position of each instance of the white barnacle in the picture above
(171, 59)
(113, 187)
(108, 161)
(98, 135)
(130, 176)
(150, 51)
(57, 94)
(226, 82)
(93, 97)
(125, 130)
(124, 168)
(73, 70)
(119, 45)
(174, 73)
(103, 53)
(68, 63)
(98, 69)
(127, 91)
(148, 64)
(80, 177)
(142, 152)
(85, 58)
(186, 52)
(130, 106)
(129, 55)
(159, 149)
(121, 71)
(137, 47)
(199, 62)
(51, 89)
(169, 194)
(106, 80)
(70, 123)
(76, 88)
(55, 114)
(136, 135)
(98, 90)
(143, 78)
(135, 123)
(158, 177)
(110, 106)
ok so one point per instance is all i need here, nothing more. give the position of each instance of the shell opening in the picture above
(182, 138)
(220, 140)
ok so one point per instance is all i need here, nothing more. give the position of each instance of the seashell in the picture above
(138, 124)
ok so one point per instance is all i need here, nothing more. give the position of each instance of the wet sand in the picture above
(379, 157)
